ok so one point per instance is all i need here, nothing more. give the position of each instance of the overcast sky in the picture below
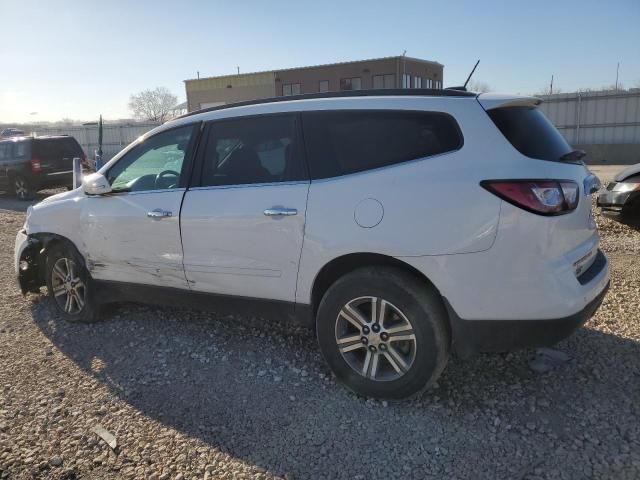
(77, 59)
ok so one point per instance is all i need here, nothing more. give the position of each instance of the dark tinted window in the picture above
(351, 141)
(5, 150)
(57, 148)
(252, 150)
(530, 132)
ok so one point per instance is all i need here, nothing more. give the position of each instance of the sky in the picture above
(78, 59)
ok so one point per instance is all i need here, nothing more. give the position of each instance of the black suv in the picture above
(28, 164)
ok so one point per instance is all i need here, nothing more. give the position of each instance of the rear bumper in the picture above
(475, 336)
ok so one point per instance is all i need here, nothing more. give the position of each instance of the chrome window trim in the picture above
(142, 192)
(245, 185)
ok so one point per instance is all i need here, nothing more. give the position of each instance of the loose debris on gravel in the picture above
(193, 395)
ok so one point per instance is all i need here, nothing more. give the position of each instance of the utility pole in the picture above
(617, 72)
(551, 86)
(198, 72)
(238, 70)
(404, 62)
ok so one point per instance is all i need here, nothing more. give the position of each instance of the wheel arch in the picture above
(33, 277)
(344, 264)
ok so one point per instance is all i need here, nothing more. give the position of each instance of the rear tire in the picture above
(70, 286)
(393, 355)
(22, 188)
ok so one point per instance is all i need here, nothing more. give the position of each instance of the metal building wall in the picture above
(114, 136)
(605, 124)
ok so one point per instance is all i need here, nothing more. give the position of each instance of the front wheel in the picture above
(383, 333)
(70, 285)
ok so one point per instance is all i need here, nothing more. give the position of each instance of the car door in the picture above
(133, 233)
(243, 226)
(5, 152)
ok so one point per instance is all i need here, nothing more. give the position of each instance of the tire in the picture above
(22, 188)
(70, 286)
(415, 323)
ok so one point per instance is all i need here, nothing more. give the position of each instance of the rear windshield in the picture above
(530, 132)
(58, 147)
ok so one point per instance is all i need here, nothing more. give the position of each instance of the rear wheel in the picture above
(383, 333)
(22, 188)
(70, 285)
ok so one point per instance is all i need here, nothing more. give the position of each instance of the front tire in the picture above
(70, 286)
(22, 188)
(383, 333)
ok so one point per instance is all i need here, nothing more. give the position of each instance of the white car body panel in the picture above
(488, 258)
(232, 248)
(123, 244)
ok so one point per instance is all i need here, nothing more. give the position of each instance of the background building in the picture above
(389, 72)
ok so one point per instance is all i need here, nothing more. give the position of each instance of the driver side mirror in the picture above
(95, 184)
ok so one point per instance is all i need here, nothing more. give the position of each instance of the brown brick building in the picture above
(389, 72)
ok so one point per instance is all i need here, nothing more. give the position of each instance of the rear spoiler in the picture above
(490, 101)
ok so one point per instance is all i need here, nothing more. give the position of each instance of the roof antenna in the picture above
(464, 87)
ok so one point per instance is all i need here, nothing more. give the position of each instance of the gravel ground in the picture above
(191, 395)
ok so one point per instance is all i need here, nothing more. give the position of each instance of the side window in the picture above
(342, 142)
(20, 150)
(157, 163)
(4, 150)
(252, 150)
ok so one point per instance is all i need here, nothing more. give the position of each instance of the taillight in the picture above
(543, 197)
(35, 165)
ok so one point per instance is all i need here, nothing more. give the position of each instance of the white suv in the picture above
(403, 225)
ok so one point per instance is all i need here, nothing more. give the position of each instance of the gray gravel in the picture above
(193, 395)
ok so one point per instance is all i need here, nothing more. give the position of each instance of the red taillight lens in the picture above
(544, 197)
(35, 165)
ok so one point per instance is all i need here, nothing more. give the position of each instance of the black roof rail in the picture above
(386, 92)
(461, 88)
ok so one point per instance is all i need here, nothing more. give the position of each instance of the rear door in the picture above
(242, 227)
(5, 153)
(56, 154)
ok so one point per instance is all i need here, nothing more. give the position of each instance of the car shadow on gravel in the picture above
(260, 391)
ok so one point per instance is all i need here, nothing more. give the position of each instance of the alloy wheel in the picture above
(68, 289)
(375, 338)
(21, 188)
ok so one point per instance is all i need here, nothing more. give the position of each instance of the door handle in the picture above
(280, 212)
(159, 213)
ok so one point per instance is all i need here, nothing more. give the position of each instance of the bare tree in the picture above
(547, 91)
(478, 86)
(603, 88)
(154, 105)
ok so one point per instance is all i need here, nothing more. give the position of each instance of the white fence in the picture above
(596, 118)
(114, 136)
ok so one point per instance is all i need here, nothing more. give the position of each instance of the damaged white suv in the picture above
(403, 225)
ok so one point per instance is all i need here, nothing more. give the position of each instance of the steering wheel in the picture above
(161, 181)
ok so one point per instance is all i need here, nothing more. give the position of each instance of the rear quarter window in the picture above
(58, 148)
(343, 142)
(530, 132)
